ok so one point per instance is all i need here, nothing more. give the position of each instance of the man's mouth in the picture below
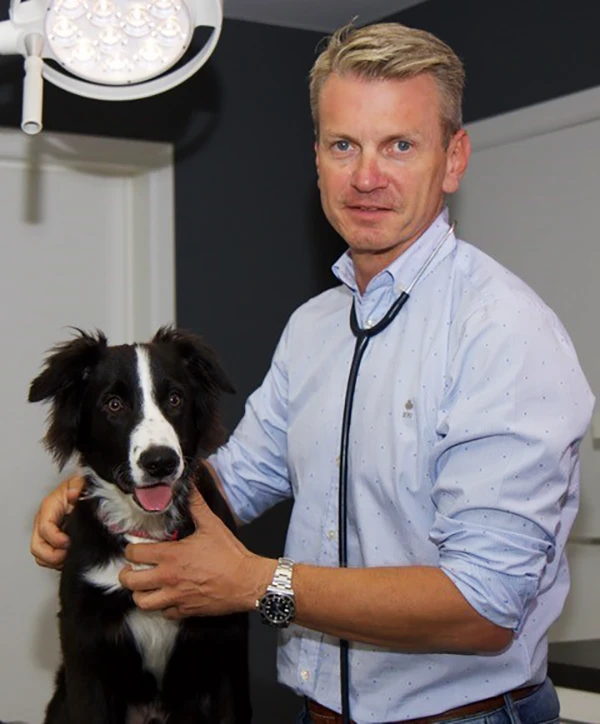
(368, 210)
(154, 498)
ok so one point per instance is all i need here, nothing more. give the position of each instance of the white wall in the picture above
(530, 199)
(87, 240)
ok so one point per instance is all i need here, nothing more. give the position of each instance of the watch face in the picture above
(278, 609)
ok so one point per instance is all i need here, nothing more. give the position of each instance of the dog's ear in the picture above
(62, 381)
(197, 356)
(209, 377)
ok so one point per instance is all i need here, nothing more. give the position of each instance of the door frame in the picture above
(147, 263)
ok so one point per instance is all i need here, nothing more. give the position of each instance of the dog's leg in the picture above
(89, 700)
(220, 704)
(56, 711)
(240, 685)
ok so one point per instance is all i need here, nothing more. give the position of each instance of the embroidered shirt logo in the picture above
(408, 408)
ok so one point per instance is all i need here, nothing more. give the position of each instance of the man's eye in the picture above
(402, 146)
(114, 404)
(341, 145)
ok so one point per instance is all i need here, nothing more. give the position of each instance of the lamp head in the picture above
(117, 42)
(108, 49)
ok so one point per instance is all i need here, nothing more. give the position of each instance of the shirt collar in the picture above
(401, 272)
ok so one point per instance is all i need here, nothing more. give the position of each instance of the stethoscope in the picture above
(363, 336)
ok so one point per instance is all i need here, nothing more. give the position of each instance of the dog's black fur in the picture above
(102, 679)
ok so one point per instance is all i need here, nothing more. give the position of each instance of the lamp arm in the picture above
(9, 37)
(24, 18)
(33, 85)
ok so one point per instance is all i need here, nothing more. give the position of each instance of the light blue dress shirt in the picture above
(464, 454)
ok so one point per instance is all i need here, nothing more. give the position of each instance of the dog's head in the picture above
(135, 414)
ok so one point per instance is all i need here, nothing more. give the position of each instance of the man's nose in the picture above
(369, 174)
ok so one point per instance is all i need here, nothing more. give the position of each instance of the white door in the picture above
(530, 200)
(87, 240)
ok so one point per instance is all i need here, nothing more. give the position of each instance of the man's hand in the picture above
(48, 543)
(210, 573)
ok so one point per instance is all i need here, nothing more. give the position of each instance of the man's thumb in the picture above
(198, 508)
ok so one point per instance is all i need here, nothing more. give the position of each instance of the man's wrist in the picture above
(264, 570)
(277, 606)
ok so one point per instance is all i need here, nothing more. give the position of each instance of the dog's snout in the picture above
(159, 461)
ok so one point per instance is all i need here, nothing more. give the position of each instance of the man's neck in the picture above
(368, 265)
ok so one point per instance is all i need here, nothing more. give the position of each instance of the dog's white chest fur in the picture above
(154, 635)
(155, 638)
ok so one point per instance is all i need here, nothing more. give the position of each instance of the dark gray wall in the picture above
(516, 52)
(252, 244)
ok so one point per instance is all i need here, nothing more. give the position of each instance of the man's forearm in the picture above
(415, 609)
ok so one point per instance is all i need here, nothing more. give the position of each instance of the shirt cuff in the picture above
(496, 567)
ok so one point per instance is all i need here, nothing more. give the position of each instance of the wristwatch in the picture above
(277, 607)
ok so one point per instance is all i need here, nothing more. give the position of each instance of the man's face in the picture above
(383, 169)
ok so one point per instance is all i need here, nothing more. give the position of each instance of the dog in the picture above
(138, 418)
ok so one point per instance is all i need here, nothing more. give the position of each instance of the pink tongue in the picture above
(155, 497)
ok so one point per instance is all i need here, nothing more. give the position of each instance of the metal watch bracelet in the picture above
(282, 578)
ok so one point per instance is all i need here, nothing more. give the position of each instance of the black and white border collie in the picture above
(138, 417)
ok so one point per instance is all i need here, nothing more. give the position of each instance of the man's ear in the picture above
(457, 160)
(62, 381)
(316, 147)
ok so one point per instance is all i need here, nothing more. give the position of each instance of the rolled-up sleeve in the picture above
(506, 465)
(252, 464)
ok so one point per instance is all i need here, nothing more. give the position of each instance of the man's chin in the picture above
(373, 244)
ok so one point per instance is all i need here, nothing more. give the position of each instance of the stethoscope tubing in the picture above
(363, 336)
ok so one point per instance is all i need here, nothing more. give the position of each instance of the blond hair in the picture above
(392, 51)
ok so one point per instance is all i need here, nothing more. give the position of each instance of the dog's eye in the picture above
(114, 404)
(175, 399)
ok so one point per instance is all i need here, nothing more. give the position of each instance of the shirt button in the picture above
(305, 675)
(331, 534)
(369, 323)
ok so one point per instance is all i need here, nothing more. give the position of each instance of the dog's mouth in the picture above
(154, 498)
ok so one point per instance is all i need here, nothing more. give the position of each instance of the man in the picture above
(463, 458)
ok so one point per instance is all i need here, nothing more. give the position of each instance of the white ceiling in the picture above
(320, 15)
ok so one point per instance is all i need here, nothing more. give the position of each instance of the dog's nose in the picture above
(159, 461)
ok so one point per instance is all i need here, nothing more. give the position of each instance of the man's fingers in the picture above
(148, 553)
(45, 563)
(172, 613)
(51, 534)
(45, 555)
(151, 601)
(74, 487)
(49, 519)
(139, 580)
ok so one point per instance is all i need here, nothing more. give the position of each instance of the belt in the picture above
(322, 715)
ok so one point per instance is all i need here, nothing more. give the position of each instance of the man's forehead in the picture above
(343, 92)
(392, 106)
(360, 81)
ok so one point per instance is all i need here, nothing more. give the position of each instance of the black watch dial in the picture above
(277, 609)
